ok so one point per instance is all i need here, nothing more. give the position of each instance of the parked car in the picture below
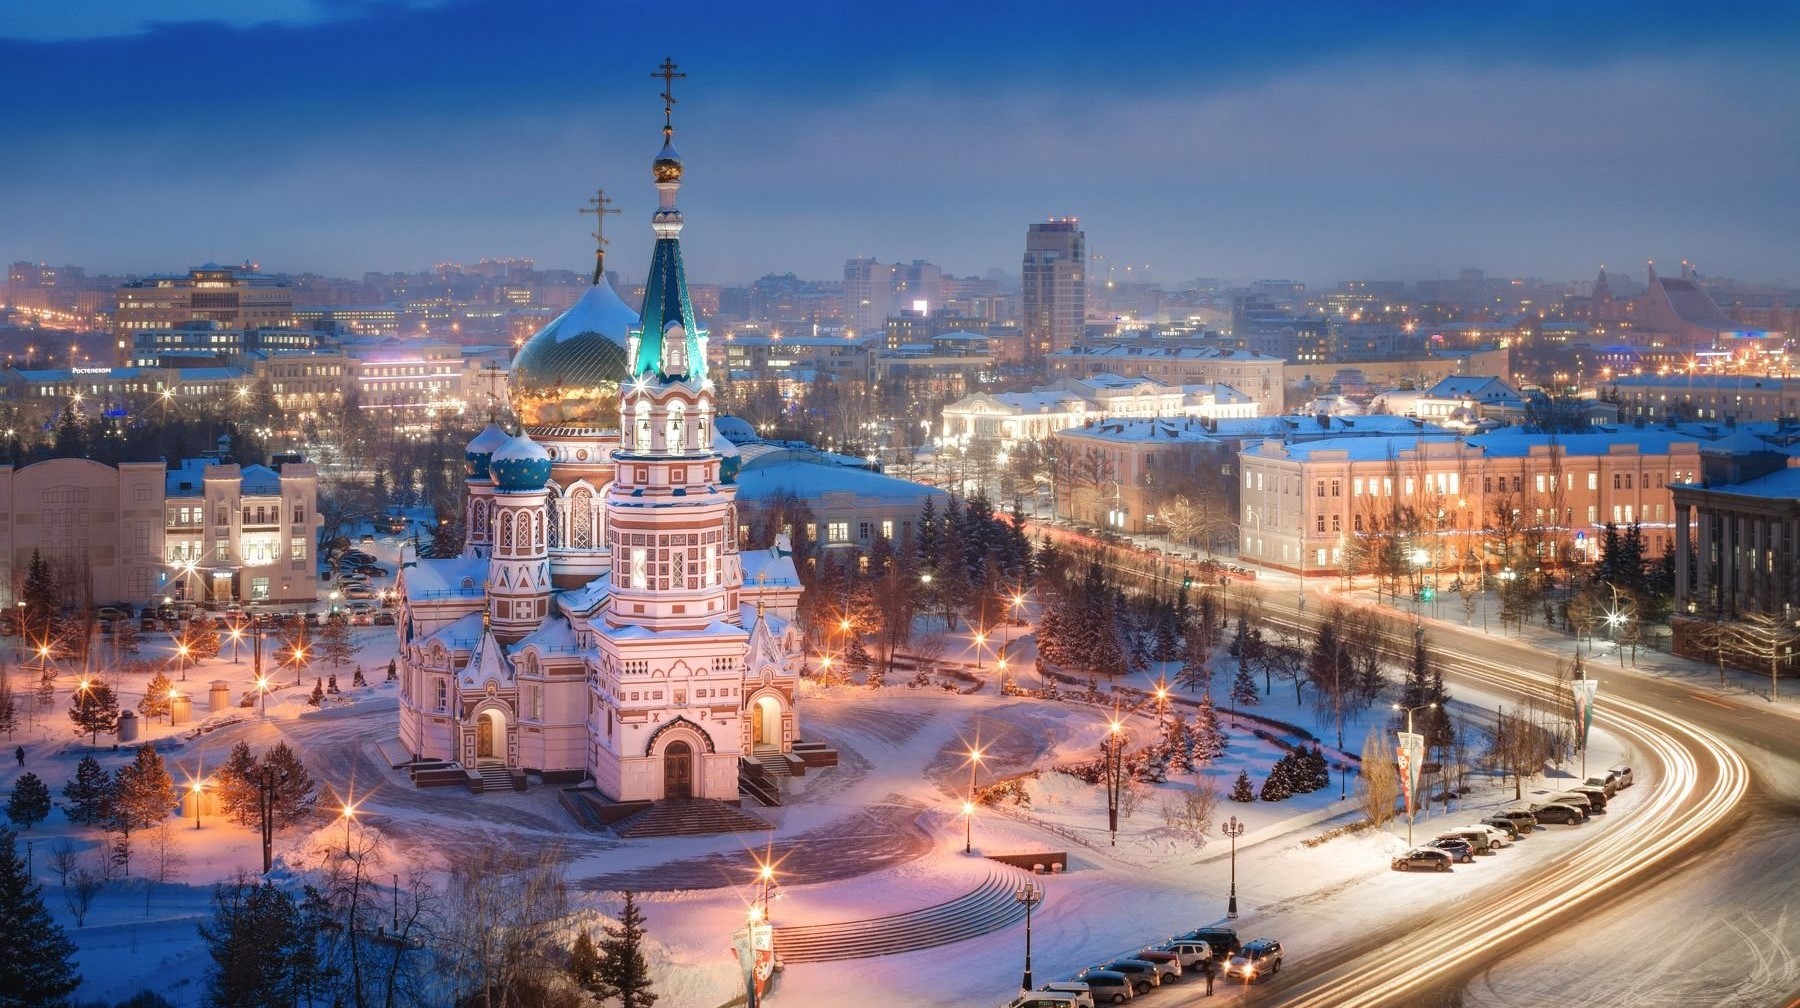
(1223, 941)
(1426, 858)
(1605, 782)
(357, 593)
(1144, 975)
(1257, 959)
(1623, 773)
(1521, 818)
(1478, 838)
(1514, 832)
(1577, 799)
(1497, 836)
(356, 557)
(368, 538)
(1167, 963)
(1042, 999)
(1596, 796)
(384, 618)
(1458, 849)
(1108, 986)
(370, 570)
(1084, 996)
(1557, 812)
(1191, 953)
(109, 613)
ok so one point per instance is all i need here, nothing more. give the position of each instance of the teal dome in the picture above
(480, 450)
(520, 465)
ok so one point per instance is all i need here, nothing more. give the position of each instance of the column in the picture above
(1681, 555)
(1704, 563)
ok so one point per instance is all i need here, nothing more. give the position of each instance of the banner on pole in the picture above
(1585, 690)
(1410, 755)
(755, 948)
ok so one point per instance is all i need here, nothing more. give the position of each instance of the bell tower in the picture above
(518, 589)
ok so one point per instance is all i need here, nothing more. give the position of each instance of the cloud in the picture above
(67, 20)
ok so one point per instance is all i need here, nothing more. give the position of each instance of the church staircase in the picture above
(757, 782)
(689, 817)
(493, 777)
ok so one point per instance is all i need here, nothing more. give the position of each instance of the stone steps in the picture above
(495, 776)
(689, 817)
(985, 909)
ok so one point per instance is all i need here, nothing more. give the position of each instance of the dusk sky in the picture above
(1224, 140)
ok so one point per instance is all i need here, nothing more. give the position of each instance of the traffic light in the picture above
(1187, 581)
(1427, 593)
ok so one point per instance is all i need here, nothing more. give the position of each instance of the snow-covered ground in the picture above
(882, 833)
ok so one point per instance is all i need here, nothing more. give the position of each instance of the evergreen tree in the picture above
(318, 693)
(293, 788)
(624, 973)
(156, 701)
(1243, 688)
(30, 801)
(88, 795)
(94, 709)
(143, 792)
(256, 940)
(584, 961)
(201, 636)
(46, 687)
(1242, 790)
(1209, 739)
(335, 641)
(9, 704)
(126, 639)
(1196, 672)
(42, 602)
(236, 786)
(37, 960)
(1278, 786)
(71, 433)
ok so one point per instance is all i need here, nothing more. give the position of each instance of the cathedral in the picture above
(601, 625)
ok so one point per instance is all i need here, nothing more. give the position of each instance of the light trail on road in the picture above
(1699, 780)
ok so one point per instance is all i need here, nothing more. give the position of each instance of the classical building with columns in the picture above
(602, 625)
(1744, 546)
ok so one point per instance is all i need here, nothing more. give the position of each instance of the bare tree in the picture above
(1378, 784)
(1192, 816)
(78, 893)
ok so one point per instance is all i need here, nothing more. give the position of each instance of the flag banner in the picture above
(1409, 754)
(1584, 690)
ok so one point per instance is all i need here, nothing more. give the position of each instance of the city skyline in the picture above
(1387, 144)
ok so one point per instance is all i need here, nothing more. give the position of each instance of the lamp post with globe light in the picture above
(1233, 829)
(1030, 894)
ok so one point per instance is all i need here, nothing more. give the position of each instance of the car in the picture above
(1521, 818)
(1596, 796)
(1144, 975)
(1514, 832)
(109, 613)
(1558, 812)
(356, 557)
(1623, 773)
(1043, 999)
(1223, 941)
(1107, 986)
(357, 593)
(367, 538)
(1605, 782)
(370, 570)
(1427, 858)
(1457, 848)
(1167, 963)
(360, 606)
(1191, 953)
(1478, 837)
(1577, 799)
(384, 619)
(1083, 995)
(1257, 959)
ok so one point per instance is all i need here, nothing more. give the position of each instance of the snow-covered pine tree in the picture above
(1278, 785)
(39, 965)
(1243, 688)
(1208, 738)
(1242, 790)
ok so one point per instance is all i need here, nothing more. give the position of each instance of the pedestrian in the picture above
(19, 754)
(1206, 967)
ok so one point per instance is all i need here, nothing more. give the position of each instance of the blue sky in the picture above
(1235, 140)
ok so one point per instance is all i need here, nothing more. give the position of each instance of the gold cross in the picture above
(601, 206)
(668, 75)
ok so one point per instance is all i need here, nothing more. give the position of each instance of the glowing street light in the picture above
(197, 787)
(980, 643)
(1115, 738)
(1233, 829)
(974, 760)
(262, 688)
(348, 814)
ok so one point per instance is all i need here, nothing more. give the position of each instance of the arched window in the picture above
(506, 533)
(524, 520)
(581, 519)
(643, 426)
(676, 430)
(559, 514)
(674, 350)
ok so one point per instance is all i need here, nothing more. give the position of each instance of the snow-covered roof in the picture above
(1484, 388)
(553, 636)
(585, 598)
(460, 634)
(1131, 350)
(447, 578)
(1510, 442)
(713, 630)
(489, 663)
(260, 481)
(809, 480)
(187, 479)
(600, 310)
(1780, 484)
(765, 568)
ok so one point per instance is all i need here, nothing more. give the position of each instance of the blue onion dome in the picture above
(519, 465)
(480, 450)
(567, 375)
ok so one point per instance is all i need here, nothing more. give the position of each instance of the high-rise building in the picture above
(1054, 290)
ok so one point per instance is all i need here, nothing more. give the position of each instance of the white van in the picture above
(1478, 839)
(1042, 999)
(1084, 998)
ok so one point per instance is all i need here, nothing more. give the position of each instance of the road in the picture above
(1696, 751)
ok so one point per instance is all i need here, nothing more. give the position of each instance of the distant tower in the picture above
(518, 587)
(1603, 306)
(1054, 286)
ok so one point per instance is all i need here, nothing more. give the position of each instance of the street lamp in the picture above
(196, 787)
(1233, 829)
(262, 688)
(1030, 894)
(1114, 739)
(980, 643)
(974, 761)
(237, 635)
(349, 816)
(1410, 802)
(1162, 701)
(765, 875)
(182, 651)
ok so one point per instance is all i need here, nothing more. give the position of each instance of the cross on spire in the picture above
(599, 205)
(668, 74)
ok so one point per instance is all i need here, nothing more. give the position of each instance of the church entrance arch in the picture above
(490, 736)
(678, 771)
(765, 722)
